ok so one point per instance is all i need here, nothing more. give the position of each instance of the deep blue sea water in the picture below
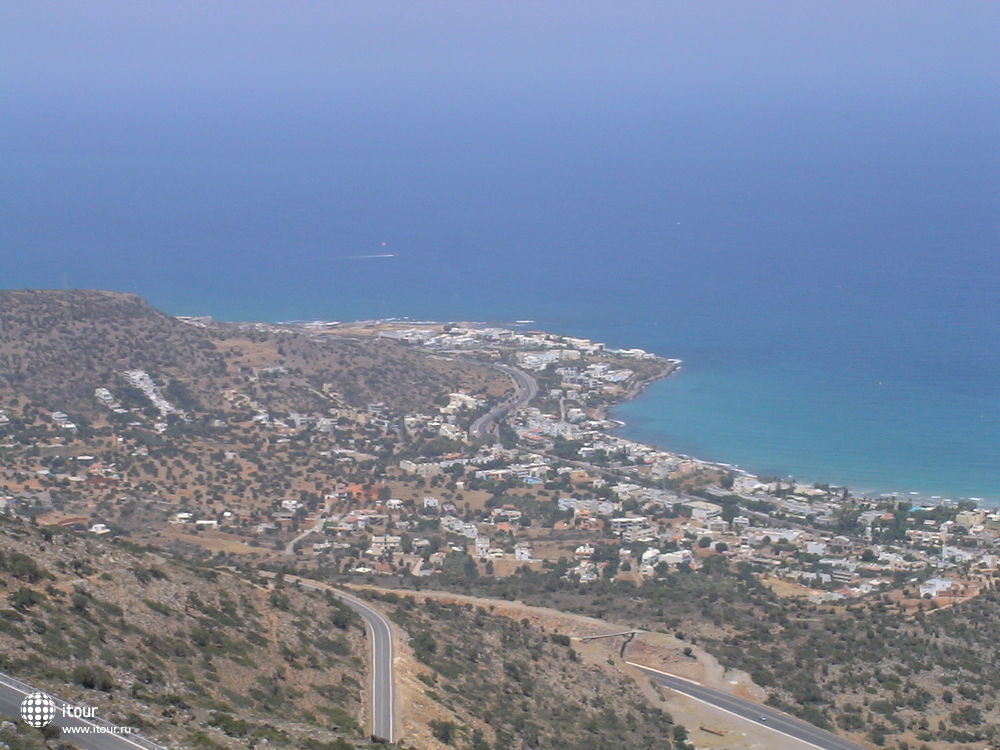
(824, 259)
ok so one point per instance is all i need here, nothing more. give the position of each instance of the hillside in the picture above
(489, 681)
(57, 347)
(864, 670)
(192, 656)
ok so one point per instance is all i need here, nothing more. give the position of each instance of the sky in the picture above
(199, 82)
(231, 123)
(455, 49)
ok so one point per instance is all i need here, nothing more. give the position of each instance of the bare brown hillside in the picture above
(57, 347)
(192, 656)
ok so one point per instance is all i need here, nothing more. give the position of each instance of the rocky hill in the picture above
(193, 657)
(57, 347)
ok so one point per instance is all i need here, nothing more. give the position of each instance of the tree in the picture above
(24, 599)
(93, 678)
(443, 730)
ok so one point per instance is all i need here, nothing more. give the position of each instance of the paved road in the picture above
(525, 389)
(13, 691)
(383, 695)
(755, 712)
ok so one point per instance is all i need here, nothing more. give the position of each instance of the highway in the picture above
(759, 714)
(525, 389)
(383, 694)
(13, 691)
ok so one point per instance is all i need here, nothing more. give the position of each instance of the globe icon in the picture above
(38, 710)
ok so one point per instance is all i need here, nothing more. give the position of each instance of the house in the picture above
(425, 470)
(522, 552)
(640, 534)
(676, 558)
(584, 552)
(970, 518)
(506, 513)
(452, 524)
(437, 558)
(419, 544)
(625, 491)
(587, 571)
(745, 483)
(704, 511)
(957, 554)
(624, 523)
(482, 546)
(840, 544)
(757, 536)
(385, 544)
(934, 587)
(717, 526)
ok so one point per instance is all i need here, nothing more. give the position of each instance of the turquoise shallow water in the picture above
(731, 413)
(813, 230)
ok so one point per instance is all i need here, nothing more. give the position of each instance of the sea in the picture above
(824, 260)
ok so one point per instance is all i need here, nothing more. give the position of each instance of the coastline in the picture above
(638, 390)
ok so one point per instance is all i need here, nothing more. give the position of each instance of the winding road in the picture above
(382, 702)
(525, 389)
(383, 693)
(761, 715)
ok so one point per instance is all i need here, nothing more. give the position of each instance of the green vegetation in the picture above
(520, 686)
(166, 643)
(842, 668)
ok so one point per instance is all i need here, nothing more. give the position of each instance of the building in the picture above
(704, 511)
(934, 587)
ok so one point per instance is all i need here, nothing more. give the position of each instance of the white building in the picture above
(704, 511)
(933, 587)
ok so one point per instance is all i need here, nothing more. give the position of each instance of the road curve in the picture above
(526, 388)
(761, 715)
(383, 694)
(13, 691)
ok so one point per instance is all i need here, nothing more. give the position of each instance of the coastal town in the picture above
(529, 477)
